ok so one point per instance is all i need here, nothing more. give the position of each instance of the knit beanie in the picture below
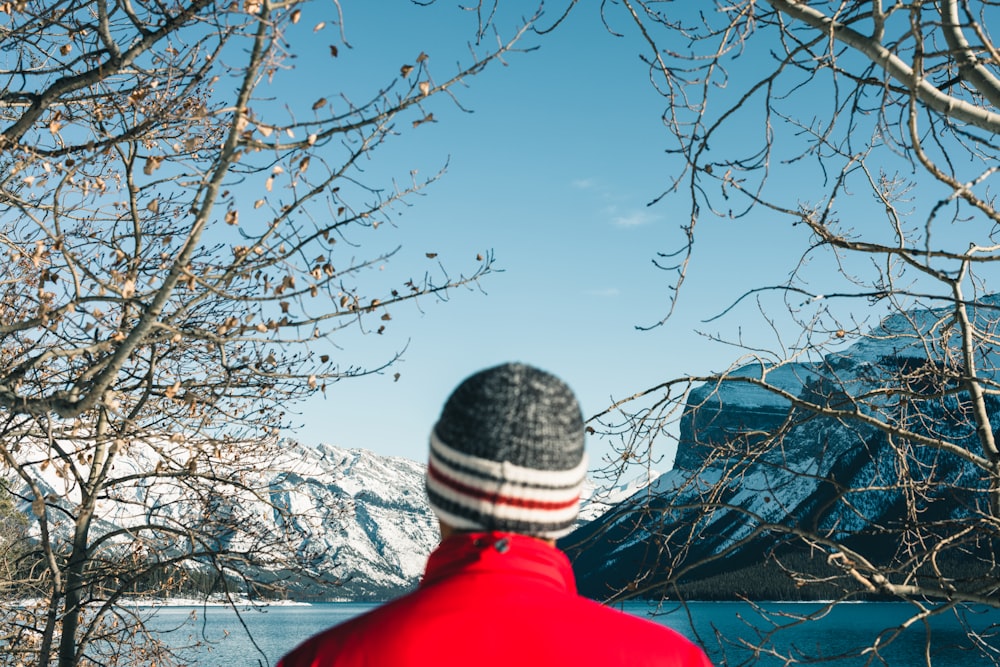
(507, 454)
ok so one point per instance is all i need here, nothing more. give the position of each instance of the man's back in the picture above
(497, 599)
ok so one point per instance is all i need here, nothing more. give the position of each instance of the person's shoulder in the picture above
(617, 617)
(323, 646)
(326, 643)
(651, 637)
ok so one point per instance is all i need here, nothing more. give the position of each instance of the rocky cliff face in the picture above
(375, 542)
(747, 459)
(361, 521)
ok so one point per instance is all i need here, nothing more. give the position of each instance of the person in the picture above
(504, 476)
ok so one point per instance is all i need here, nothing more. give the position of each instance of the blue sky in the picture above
(552, 172)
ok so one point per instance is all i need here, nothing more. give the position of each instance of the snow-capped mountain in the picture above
(752, 460)
(359, 522)
(376, 545)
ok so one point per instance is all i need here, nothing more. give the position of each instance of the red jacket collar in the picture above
(508, 554)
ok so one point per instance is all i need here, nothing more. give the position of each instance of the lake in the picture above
(278, 629)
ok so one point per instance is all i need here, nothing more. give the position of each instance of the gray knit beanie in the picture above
(507, 454)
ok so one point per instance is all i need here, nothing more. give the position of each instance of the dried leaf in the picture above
(152, 164)
(258, 203)
(319, 104)
(319, 26)
(232, 217)
(333, 51)
(431, 255)
(425, 88)
(405, 70)
(296, 15)
(422, 57)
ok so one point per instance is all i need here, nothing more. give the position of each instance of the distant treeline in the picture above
(803, 577)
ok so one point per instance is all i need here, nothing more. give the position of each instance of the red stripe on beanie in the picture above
(528, 503)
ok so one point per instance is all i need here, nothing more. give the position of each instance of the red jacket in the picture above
(492, 600)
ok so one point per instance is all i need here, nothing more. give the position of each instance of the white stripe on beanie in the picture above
(561, 484)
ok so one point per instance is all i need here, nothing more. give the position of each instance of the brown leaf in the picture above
(296, 15)
(425, 88)
(422, 57)
(152, 164)
(318, 104)
(386, 317)
(333, 50)
(405, 70)
(431, 255)
(65, 49)
(232, 217)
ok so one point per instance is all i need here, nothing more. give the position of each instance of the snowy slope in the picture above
(359, 522)
(840, 477)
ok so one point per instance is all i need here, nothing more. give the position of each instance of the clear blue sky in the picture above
(552, 172)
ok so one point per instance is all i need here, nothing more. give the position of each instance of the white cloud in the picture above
(634, 219)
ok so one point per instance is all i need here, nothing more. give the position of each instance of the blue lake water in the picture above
(723, 627)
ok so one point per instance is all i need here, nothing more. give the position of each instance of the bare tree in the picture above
(180, 248)
(867, 131)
